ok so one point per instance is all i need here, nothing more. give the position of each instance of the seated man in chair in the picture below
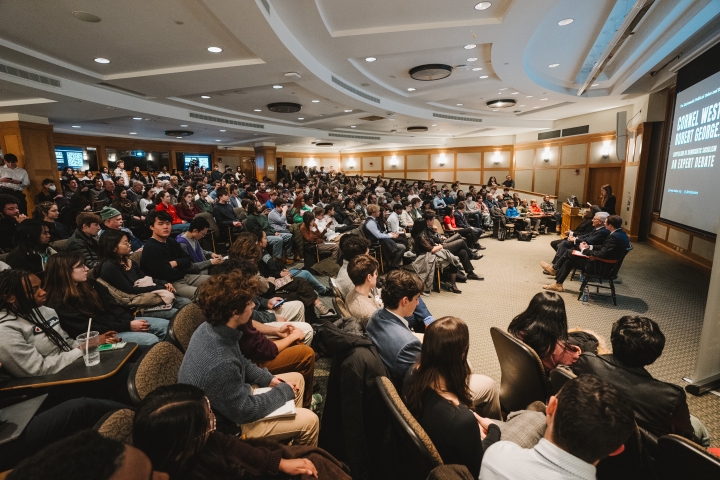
(393, 250)
(595, 237)
(595, 256)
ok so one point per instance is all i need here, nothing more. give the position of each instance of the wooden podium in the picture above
(571, 218)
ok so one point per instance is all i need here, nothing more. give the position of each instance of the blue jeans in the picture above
(287, 244)
(156, 333)
(275, 243)
(177, 305)
(180, 227)
(317, 286)
(420, 318)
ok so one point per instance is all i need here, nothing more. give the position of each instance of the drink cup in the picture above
(92, 355)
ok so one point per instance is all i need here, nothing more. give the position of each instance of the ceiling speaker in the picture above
(501, 103)
(430, 72)
(178, 133)
(284, 107)
(417, 129)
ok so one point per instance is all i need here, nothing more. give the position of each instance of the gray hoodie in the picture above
(25, 351)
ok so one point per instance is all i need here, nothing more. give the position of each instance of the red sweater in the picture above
(169, 209)
(185, 214)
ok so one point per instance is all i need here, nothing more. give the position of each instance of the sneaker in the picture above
(426, 293)
(316, 401)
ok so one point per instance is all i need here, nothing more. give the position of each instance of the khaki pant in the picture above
(297, 358)
(485, 396)
(302, 430)
(188, 285)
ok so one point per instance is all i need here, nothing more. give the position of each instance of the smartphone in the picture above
(279, 303)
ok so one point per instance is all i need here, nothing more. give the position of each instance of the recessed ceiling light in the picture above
(567, 21)
(529, 96)
(223, 130)
(434, 125)
(501, 89)
(277, 87)
(352, 126)
(75, 126)
(257, 110)
(542, 99)
(477, 69)
(595, 85)
(469, 46)
(370, 59)
(553, 65)
(178, 137)
(522, 105)
(183, 125)
(411, 89)
(316, 101)
(483, 6)
(483, 76)
(137, 118)
(495, 109)
(102, 60)
(218, 140)
(301, 118)
(133, 133)
(214, 49)
(205, 96)
(472, 59)
(348, 111)
(459, 104)
(514, 93)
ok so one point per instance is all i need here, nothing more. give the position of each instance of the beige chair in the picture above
(186, 321)
(117, 425)
(159, 367)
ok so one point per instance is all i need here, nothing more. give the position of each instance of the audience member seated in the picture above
(399, 347)
(439, 390)
(543, 327)
(107, 195)
(127, 283)
(163, 203)
(587, 421)
(469, 234)
(512, 213)
(48, 213)
(594, 237)
(84, 241)
(461, 222)
(312, 234)
(439, 204)
(223, 212)
(553, 218)
(596, 256)
(586, 226)
(363, 300)
(129, 210)
(10, 218)
(164, 258)
(183, 413)
(190, 240)
(186, 209)
(660, 407)
(533, 219)
(374, 230)
(214, 363)
(77, 299)
(280, 243)
(48, 192)
(112, 220)
(32, 251)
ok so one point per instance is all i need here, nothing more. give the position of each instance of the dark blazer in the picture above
(397, 345)
(610, 205)
(659, 407)
(594, 237)
(613, 248)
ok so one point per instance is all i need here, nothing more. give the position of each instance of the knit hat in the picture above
(108, 212)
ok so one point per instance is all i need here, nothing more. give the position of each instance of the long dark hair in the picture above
(443, 358)
(62, 291)
(17, 283)
(171, 427)
(27, 237)
(542, 324)
(108, 242)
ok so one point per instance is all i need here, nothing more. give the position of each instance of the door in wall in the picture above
(600, 176)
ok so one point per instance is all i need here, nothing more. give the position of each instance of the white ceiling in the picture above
(159, 66)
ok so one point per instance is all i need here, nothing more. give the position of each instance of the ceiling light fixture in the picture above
(184, 126)
(495, 109)
(284, 107)
(75, 126)
(411, 89)
(86, 17)
(501, 103)
(178, 137)
(459, 104)
(514, 93)
(477, 69)
(257, 110)
(277, 87)
(137, 118)
(352, 126)
(595, 85)
(301, 118)
(205, 96)
(553, 65)
(501, 89)
(434, 125)
(543, 99)
(316, 101)
(214, 49)
(483, 76)
(430, 72)
(348, 111)
(483, 6)
(522, 105)
(472, 59)
(102, 60)
(133, 133)
(218, 140)
(223, 131)
(370, 59)
(567, 21)
(469, 46)
(529, 96)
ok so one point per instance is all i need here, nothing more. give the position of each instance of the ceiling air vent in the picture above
(356, 137)
(125, 91)
(372, 118)
(33, 77)
(354, 90)
(178, 133)
(226, 121)
(568, 132)
(430, 72)
(284, 107)
(454, 117)
(417, 129)
(548, 135)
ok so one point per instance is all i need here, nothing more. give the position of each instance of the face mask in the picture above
(52, 188)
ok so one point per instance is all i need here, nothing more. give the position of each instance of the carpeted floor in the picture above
(652, 285)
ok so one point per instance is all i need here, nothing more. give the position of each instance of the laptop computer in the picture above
(14, 419)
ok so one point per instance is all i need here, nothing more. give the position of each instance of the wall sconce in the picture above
(351, 163)
(546, 155)
(112, 157)
(85, 155)
(311, 162)
(442, 160)
(605, 152)
(496, 158)
(393, 161)
(150, 157)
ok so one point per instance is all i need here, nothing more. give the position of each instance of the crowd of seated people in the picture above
(145, 247)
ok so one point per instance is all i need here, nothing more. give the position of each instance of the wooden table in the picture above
(571, 218)
(111, 361)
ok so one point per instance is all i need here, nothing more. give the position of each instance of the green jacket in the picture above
(257, 223)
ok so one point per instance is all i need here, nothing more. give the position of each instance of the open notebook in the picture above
(286, 411)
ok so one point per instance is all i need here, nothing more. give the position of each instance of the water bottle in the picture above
(582, 278)
(586, 296)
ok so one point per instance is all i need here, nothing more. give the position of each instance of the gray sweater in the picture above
(25, 352)
(214, 363)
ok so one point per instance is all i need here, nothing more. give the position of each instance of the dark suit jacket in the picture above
(610, 205)
(594, 237)
(659, 407)
(613, 248)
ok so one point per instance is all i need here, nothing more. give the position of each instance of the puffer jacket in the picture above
(86, 246)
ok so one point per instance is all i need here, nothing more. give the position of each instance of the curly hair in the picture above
(223, 296)
(246, 246)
